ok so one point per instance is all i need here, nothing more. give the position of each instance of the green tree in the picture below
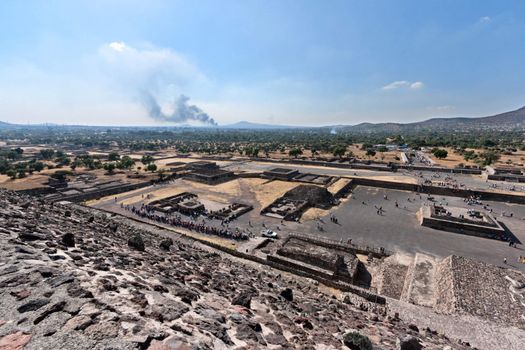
(370, 153)
(38, 166)
(110, 167)
(339, 151)
(151, 167)
(113, 156)
(489, 157)
(295, 152)
(47, 153)
(147, 159)
(11, 173)
(440, 153)
(489, 143)
(4, 165)
(126, 162)
(468, 155)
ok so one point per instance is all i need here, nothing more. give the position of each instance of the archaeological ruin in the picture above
(459, 220)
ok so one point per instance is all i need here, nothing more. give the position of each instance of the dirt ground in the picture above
(386, 157)
(40, 179)
(516, 159)
(238, 190)
(452, 160)
(266, 192)
(29, 182)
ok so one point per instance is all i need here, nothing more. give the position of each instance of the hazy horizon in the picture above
(125, 63)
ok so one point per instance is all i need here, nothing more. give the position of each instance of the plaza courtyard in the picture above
(368, 217)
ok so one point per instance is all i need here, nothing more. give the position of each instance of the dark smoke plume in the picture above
(182, 111)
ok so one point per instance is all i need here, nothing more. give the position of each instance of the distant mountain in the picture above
(514, 120)
(254, 126)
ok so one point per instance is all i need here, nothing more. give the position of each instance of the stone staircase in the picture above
(409, 279)
(419, 282)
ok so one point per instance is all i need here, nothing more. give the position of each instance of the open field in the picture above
(515, 159)
(453, 159)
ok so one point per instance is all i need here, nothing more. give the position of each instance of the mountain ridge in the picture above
(510, 120)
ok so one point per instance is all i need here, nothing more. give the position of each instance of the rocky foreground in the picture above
(73, 278)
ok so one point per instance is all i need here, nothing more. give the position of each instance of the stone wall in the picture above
(439, 169)
(442, 191)
(38, 191)
(507, 177)
(340, 264)
(351, 248)
(82, 197)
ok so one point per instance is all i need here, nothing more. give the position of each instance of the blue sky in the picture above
(286, 62)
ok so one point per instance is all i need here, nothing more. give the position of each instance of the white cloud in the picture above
(485, 19)
(396, 85)
(403, 84)
(149, 67)
(416, 85)
(117, 46)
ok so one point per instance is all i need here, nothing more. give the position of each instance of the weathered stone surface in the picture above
(243, 299)
(102, 330)
(31, 236)
(187, 295)
(75, 290)
(33, 305)
(60, 280)
(15, 341)
(21, 294)
(171, 343)
(276, 339)
(52, 309)
(79, 323)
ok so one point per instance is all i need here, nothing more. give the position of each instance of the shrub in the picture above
(356, 341)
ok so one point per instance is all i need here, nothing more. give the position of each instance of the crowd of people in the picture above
(191, 224)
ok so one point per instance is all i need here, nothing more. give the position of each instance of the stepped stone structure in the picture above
(475, 288)
(207, 172)
(340, 264)
(463, 221)
(455, 286)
